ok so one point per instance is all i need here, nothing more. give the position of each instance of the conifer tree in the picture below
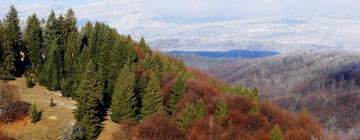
(35, 115)
(52, 75)
(222, 109)
(7, 68)
(90, 102)
(50, 30)
(152, 100)
(144, 46)
(176, 93)
(124, 99)
(1, 44)
(33, 40)
(191, 113)
(276, 133)
(12, 64)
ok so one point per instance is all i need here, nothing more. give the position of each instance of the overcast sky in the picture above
(225, 9)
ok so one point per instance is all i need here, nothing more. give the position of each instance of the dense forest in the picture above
(324, 83)
(150, 95)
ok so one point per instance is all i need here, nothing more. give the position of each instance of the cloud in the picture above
(251, 8)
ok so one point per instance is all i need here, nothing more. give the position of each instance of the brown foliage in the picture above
(11, 108)
(159, 127)
(139, 52)
(241, 103)
(5, 137)
(125, 131)
(206, 130)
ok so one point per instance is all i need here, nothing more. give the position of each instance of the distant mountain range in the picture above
(270, 33)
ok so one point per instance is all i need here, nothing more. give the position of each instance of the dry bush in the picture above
(5, 137)
(11, 107)
(206, 130)
(241, 103)
(139, 52)
(159, 127)
(125, 131)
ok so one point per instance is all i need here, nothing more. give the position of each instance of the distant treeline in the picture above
(225, 54)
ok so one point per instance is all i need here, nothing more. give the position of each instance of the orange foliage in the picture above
(159, 127)
(241, 103)
(139, 52)
(206, 130)
(5, 137)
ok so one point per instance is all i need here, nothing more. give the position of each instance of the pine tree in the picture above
(152, 100)
(1, 44)
(276, 133)
(222, 109)
(191, 113)
(50, 30)
(72, 53)
(124, 99)
(11, 46)
(7, 68)
(90, 102)
(35, 115)
(144, 46)
(176, 93)
(52, 68)
(33, 40)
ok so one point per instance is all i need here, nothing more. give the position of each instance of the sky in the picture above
(192, 10)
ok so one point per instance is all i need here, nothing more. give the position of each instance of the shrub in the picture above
(11, 107)
(35, 115)
(30, 80)
(5, 137)
(52, 104)
(125, 131)
(159, 127)
(206, 130)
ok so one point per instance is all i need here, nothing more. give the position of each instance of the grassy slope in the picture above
(54, 119)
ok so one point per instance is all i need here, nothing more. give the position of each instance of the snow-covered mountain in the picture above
(270, 33)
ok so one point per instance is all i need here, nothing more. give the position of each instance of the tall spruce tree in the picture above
(124, 99)
(52, 76)
(71, 53)
(152, 100)
(144, 46)
(1, 44)
(176, 93)
(12, 64)
(33, 40)
(90, 102)
(49, 40)
(50, 30)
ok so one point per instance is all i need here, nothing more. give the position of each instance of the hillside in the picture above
(119, 82)
(325, 83)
